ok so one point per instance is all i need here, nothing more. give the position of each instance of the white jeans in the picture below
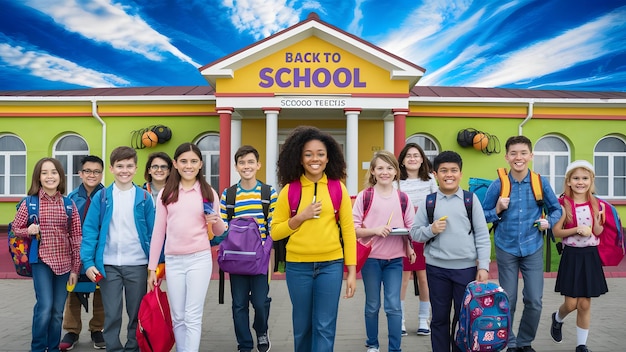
(188, 277)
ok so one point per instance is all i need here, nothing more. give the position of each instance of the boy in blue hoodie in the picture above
(116, 246)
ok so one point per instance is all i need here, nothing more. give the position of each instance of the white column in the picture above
(352, 151)
(235, 143)
(271, 145)
(388, 134)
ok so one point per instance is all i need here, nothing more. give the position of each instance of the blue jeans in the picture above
(50, 295)
(245, 289)
(388, 273)
(446, 286)
(531, 267)
(314, 289)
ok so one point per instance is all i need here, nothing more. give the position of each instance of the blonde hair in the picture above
(567, 191)
(389, 158)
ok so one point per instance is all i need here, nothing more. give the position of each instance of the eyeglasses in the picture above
(91, 172)
(157, 167)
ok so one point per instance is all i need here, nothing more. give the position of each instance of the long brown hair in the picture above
(35, 184)
(170, 191)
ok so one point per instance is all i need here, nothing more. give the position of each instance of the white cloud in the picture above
(106, 22)
(355, 27)
(261, 18)
(427, 21)
(54, 68)
(582, 44)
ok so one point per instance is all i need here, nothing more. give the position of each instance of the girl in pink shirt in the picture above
(188, 259)
(384, 265)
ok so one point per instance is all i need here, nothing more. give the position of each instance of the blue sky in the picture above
(554, 44)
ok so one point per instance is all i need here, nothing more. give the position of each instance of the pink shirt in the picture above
(184, 223)
(381, 209)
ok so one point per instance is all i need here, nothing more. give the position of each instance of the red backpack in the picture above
(155, 332)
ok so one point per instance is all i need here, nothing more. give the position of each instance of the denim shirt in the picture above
(516, 233)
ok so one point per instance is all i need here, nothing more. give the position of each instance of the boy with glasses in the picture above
(91, 176)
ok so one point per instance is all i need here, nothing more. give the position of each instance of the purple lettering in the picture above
(288, 57)
(342, 71)
(266, 77)
(304, 78)
(316, 78)
(357, 79)
(316, 57)
(336, 57)
(279, 80)
(298, 57)
(327, 56)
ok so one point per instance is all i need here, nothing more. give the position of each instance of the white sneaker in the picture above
(372, 349)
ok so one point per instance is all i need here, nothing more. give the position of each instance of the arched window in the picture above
(12, 166)
(551, 156)
(427, 143)
(209, 145)
(609, 159)
(69, 150)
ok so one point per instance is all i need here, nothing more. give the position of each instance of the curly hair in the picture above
(289, 166)
(425, 169)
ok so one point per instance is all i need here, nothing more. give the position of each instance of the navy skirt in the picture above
(580, 273)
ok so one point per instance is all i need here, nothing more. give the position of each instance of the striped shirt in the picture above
(59, 247)
(248, 204)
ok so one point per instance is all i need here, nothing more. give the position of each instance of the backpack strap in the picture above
(468, 200)
(431, 200)
(293, 196)
(265, 200)
(336, 193)
(505, 183)
(537, 187)
(404, 201)
(368, 196)
(231, 193)
(68, 204)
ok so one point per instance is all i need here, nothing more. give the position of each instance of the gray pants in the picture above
(130, 283)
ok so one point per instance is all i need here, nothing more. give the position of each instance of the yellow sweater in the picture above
(316, 240)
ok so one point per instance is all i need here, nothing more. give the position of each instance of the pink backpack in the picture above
(611, 246)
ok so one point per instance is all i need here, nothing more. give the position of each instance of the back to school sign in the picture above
(312, 66)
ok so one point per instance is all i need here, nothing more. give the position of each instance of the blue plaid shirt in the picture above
(516, 233)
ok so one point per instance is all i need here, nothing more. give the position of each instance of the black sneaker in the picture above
(512, 349)
(68, 342)
(526, 349)
(263, 343)
(98, 340)
(582, 348)
(555, 330)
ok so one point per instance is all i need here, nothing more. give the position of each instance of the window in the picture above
(609, 159)
(69, 150)
(210, 147)
(551, 157)
(427, 143)
(12, 166)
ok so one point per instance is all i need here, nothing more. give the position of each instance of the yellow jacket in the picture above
(316, 240)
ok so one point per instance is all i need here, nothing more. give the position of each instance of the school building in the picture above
(313, 73)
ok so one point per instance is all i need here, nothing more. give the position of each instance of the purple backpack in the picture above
(485, 319)
(243, 251)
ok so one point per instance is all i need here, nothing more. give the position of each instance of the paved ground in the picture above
(607, 331)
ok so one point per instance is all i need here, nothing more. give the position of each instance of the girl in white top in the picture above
(417, 181)
(580, 274)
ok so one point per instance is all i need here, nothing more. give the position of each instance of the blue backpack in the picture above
(484, 319)
(24, 251)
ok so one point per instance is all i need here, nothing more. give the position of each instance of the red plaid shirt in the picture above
(57, 248)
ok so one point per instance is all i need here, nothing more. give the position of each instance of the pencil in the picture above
(390, 216)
